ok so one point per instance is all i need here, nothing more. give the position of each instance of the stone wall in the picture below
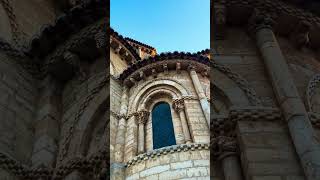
(18, 94)
(266, 147)
(18, 104)
(188, 164)
(267, 151)
(80, 101)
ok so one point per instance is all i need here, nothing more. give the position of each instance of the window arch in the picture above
(162, 126)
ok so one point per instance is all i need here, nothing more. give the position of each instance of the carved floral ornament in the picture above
(178, 105)
(142, 116)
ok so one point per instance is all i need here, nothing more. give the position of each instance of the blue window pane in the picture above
(162, 127)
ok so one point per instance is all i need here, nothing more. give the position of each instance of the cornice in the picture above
(51, 36)
(163, 60)
(289, 19)
(122, 40)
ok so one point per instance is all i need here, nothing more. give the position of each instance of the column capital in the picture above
(178, 105)
(259, 20)
(142, 116)
(224, 146)
(101, 39)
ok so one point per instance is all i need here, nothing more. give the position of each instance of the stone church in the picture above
(265, 105)
(54, 86)
(159, 112)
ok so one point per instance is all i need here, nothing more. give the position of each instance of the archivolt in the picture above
(149, 86)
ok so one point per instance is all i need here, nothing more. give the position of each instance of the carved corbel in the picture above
(165, 68)
(219, 21)
(300, 36)
(178, 67)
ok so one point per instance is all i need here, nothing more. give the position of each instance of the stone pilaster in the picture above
(306, 144)
(47, 124)
(178, 105)
(200, 92)
(142, 117)
(118, 167)
(226, 150)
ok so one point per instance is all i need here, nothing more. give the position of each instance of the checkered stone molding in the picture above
(166, 150)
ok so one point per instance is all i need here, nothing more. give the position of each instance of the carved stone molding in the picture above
(242, 83)
(166, 150)
(225, 125)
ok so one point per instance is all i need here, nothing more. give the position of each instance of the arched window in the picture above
(162, 127)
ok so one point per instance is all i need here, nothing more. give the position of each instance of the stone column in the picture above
(142, 117)
(302, 133)
(205, 106)
(118, 167)
(47, 123)
(226, 149)
(178, 105)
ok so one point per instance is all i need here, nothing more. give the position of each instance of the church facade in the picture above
(265, 90)
(159, 125)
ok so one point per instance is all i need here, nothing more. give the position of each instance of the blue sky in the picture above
(167, 25)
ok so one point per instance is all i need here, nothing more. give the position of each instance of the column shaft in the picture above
(141, 138)
(185, 127)
(200, 92)
(303, 136)
(118, 167)
(231, 168)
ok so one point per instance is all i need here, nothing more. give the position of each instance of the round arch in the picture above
(148, 86)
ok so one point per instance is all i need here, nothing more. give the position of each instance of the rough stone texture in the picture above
(53, 113)
(266, 147)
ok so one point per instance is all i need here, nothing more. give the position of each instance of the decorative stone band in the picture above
(162, 63)
(117, 115)
(225, 125)
(94, 164)
(166, 150)
(255, 113)
(273, 7)
(243, 84)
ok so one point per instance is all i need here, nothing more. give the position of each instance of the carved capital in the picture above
(101, 39)
(259, 21)
(178, 105)
(142, 116)
(223, 146)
